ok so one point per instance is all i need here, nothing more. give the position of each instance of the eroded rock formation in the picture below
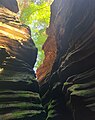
(19, 90)
(67, 76)
(50, 49)
(68, 91)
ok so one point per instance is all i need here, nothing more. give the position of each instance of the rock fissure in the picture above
(65, 89)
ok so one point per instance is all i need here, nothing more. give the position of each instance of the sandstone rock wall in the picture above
(19, 90)
(68, 91)
(67, 76)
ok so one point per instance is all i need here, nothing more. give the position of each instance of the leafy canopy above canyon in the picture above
(36, 14)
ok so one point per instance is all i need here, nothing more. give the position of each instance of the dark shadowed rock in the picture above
(10, 4)
(68, 91)
(19, 89)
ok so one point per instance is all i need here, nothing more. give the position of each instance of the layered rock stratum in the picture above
(68, 90)
(65, 85)
(19, 89)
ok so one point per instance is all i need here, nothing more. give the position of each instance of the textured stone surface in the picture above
(67, 76)
(19, 97)
(50, 50)
(19, 90)
(68, 91)
(10, 4)
(16, 42)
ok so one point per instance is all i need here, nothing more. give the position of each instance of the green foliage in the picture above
(37, 16)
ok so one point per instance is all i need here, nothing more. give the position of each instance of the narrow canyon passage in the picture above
(63, 87)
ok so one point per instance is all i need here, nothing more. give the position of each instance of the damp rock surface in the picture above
(68, 90)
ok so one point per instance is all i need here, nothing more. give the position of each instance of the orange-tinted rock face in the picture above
(50, 49)
(15, 40)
